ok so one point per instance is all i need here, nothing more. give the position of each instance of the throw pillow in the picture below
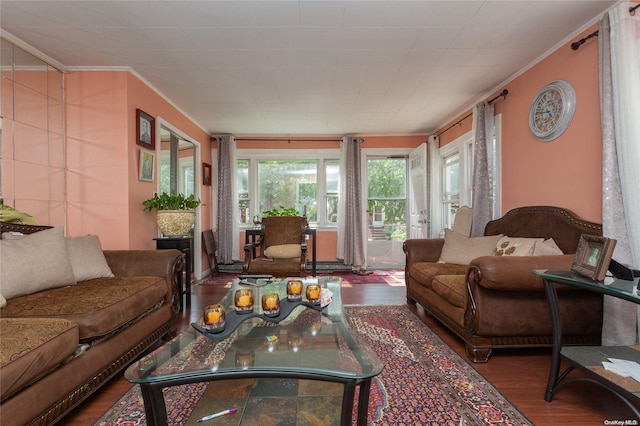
(87, 259)
(284, 251)
(546, 248)
(34, 263)
(513, 246)
(460, 249)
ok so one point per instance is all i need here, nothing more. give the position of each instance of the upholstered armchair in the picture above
(281, 248)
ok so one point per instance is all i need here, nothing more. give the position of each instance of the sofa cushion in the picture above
(514, 246)
(30, 347)
(424, 272)
(34, 263)
(452, 288)
(460, 250)
(98, 306)
(87, 259)
(284, 251)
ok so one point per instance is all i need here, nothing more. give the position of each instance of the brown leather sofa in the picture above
(496, 302)
(60, 345)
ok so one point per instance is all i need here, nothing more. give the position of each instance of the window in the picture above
(456, 174)
(287, 179)
(450, 188)
(387, 197)
(244, 200)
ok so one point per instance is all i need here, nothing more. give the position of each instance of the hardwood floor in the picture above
(519, 374)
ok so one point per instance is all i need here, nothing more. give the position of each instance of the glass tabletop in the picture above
(307, 341)
(623, 289)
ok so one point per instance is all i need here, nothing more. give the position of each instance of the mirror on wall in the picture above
(177, 163)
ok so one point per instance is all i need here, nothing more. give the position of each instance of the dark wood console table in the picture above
(589, 358)
(185, 245)
(254, 233)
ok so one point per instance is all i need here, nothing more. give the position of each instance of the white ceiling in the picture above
(306, 67)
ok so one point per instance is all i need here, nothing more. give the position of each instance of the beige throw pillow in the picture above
(546, 248)
(34, 263)
(284, 251)
(87, 259)
(514, 246)
(460, 250)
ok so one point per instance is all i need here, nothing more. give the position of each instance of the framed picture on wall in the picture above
(145, 130)
(206, 174)
(147, 165)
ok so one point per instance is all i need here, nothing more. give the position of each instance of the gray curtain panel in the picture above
(354, 247)
(619, 318)
(482, 200)
(226, 206)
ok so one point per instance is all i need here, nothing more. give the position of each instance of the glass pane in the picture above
(165, 176)
(387, 177)
(389, 216)
(451, 174)
(242, 181)
(331, 212)
(332, 172)
(288, 184)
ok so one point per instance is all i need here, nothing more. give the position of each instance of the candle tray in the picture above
(234, 318)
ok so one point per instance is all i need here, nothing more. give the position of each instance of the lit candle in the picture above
(271, 304)
(294, 289)
(244, 301)
(313, 293)
(214, 317)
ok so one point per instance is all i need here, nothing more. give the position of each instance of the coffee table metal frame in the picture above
(151, 386)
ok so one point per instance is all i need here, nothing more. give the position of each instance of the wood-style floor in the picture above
(519, 374)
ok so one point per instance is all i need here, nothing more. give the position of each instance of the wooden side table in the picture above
(185, 245)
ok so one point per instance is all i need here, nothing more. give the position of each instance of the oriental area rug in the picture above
(424, 382)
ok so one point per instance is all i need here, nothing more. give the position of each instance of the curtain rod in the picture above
(288, 140)
(576, 44)
(502, 94)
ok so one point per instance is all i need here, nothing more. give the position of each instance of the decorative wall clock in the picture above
(552, 110)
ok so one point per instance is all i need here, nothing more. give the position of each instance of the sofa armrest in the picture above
(514, 273)
(422, 249)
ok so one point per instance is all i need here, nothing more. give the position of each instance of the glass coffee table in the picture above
(310, 343)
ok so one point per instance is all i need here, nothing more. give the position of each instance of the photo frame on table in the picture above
(147, 165)
(145, 130)
(593, 256)
(206, 174)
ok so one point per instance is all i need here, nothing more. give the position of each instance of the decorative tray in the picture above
(233, 319)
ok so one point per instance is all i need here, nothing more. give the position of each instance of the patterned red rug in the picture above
(424, 382)
(393, 277)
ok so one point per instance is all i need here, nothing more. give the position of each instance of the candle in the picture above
(313, 293)
(244, 301)
(294, 289)
(271, 304)
(214, 317)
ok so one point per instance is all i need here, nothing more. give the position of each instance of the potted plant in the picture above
(280, 211)
(175, 212)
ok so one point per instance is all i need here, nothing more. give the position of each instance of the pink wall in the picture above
(567, 171)
(104, 194)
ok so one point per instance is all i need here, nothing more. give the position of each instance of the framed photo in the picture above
(206, 174)
(147, 165)
(145, 130)
(593, 256)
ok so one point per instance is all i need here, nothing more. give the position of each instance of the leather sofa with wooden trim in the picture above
(495, 301)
